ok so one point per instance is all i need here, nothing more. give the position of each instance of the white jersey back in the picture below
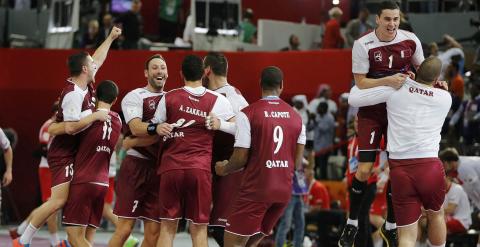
(416, 113)
(234, 96)
(457, 196)
(469, 174)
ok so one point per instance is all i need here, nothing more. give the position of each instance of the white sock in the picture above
(21, 228)
(54, 241)
(27, 236)
(390, 226)
(431, 245)
(352, 222)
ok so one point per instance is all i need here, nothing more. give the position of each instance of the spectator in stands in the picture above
(189, 30)
(457, 208)
(247, 29)
(132, 26)
(342, 116)
(454, 51)
(324, 94)
(106, 27)
(170, 15)
(299, 102)
(294, 211)
(317, 197)
(91, 39)
(455, 80)
(469, 110)
(294, 44)
(323, 126)
(357, 27)
(332, 38)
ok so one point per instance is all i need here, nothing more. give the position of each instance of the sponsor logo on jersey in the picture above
(276, 164)
(151, 104)
(378, 56)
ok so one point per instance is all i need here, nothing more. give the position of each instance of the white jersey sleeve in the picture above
(4, 142)
(418, 57)
(132, 106)
(371, 96)
(302, 138)
(72, 106)
(360, 62)
(238, 102)
(161, 112)
(222, 108)
(243, 136)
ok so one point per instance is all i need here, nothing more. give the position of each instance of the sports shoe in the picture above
(131, 242)
(63, 243)
(389, 236)
(348, 236)
(13, 233)
(16, 243)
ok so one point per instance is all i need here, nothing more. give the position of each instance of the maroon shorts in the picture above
(224, 192)
(186, 194)
(372, 125)
(137, 189)
(45, 178)
(248, 218)
(84, 206)
(416, 183)
(454, 226)
(62, 172)
(111, 191)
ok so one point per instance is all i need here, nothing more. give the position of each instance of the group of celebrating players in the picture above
(203, 145)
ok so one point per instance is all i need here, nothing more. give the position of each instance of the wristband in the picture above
(152, 129)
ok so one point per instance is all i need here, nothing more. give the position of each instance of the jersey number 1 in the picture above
(277, 138)
(390, 61)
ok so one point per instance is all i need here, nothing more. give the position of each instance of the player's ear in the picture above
(145, 72)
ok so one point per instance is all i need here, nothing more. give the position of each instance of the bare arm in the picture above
(74, 127)
(452, 42)
(395, 81)
(450, 209)
(8, 157)
(138, 127)
(101, 53)
(371, 96)
(146, 141)
(299, 156)
(237, 161)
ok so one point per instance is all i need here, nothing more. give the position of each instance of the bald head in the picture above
(429, 70)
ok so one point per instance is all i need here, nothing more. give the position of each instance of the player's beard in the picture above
(153, 82)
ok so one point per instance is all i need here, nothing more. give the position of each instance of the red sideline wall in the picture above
(30, 80)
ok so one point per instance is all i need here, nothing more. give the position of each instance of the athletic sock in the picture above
(27, 236)
(357, 191)
(54, 241)
(352, 222)
(21, 228)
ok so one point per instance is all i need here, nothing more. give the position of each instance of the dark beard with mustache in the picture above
(151, 81)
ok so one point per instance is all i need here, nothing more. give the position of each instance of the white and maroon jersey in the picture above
(97, 144)
(141, 103)
(189, 145)
(415, 112)
(75, 104)
(44, 138)
(4, 142)
(456, 195)
(469, 176)
(378, 59)
(271, 129)
(223, 142)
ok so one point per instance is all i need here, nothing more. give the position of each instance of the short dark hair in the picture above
(448, 155)
(387, 5)
(76, 62)
(271, 78)
(192, 68)
(151, 58)
(217, 62)
(107, 91)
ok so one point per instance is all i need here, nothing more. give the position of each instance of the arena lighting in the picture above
(335, 2)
